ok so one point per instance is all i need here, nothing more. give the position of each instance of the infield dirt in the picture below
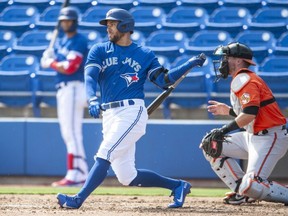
(40, 205)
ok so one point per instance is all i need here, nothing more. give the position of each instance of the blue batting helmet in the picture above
(69, 13)
(126, 20)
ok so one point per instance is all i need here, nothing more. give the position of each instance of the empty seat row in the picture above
(167, 5)
(24, 83)
(148, 19)
(169, 43)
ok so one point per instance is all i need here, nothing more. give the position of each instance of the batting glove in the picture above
(46, 62)
(47, 58)
(94, 107)
(49, 53)
(198, 60)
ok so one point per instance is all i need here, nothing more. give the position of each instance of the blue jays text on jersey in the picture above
(122, 71)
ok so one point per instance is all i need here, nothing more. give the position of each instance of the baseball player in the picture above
(263, 142)
(120, 67)
(68, 60)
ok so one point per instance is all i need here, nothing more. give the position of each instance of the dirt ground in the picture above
(40, 205)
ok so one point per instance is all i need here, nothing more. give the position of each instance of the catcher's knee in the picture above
(254, 187)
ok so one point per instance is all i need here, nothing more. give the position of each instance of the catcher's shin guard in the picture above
(228, 171)
(257, 188)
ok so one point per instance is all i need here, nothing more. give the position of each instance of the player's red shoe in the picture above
(67, 183)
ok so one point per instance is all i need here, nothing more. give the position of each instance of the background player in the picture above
(68, 60)
(120, 67)
(265, 140)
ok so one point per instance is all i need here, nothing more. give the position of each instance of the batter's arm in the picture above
(91, 78)
(165, 78)
(70, 65)
(244, 119)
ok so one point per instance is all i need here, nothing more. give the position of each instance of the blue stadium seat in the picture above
(92, 36)
(33, 42)
(16, 72)
(261, 42)
(45, 91)
(48, 18)
(251, 5)
(274, 64)
(206, 41)
(221, 89)
(39, 4)
(281, 47)
(167, 42)
(7, 38)
(82, 5)
(274, 71)
(276, 3)
(147, 19)
(4, 3)
(125, 4)
(138, 37)
(18, 18)
(165, 4)
(209, 5)
(270, 19)
(91, 17)
(230, 19)
(187, 19)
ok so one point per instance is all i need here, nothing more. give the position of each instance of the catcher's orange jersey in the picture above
(256, 93)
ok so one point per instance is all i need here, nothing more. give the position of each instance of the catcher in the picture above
(264, 140)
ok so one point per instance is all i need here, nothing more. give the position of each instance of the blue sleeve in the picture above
(175, 73)
(91, 79)
(166, 78)
(92, 71)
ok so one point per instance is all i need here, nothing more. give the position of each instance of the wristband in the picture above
(92, 99)
(232, 113)
(230, 127)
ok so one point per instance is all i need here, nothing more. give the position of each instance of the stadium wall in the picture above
(34, 147)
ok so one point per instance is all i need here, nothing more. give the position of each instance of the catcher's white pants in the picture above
(122, 128)
(70, 109)
(262, 151)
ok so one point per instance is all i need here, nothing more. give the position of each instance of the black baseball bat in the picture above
(157, 102)
(56, 30)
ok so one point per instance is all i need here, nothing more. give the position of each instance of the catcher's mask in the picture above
(234, 49)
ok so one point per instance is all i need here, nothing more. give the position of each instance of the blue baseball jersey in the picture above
(123, 69)
(73, 53)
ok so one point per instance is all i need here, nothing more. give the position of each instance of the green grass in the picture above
(196, 192)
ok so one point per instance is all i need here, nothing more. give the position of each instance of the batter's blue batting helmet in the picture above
(69, 13)
(126, 20)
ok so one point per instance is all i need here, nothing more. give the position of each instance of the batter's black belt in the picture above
(116, 104)
(265, 131)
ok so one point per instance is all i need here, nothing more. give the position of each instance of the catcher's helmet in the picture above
(234, 49)
(237, 50)
(69, 13)
(126, 20)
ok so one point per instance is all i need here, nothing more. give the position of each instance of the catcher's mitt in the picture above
(212, 142)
